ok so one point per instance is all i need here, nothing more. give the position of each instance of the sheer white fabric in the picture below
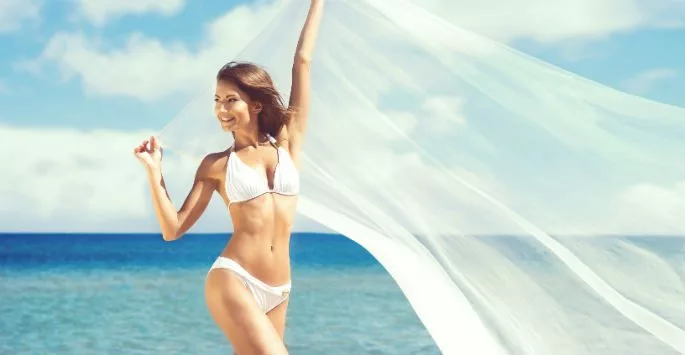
(521, 209)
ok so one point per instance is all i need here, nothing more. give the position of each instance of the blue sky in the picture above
(129, 67)
(647, 61)
(27, 96)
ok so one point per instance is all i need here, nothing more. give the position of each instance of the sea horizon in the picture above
(88, 293)
(85, 293)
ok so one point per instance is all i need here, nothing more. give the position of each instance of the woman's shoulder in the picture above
(213, 164)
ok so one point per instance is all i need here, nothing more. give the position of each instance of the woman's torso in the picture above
(262, 223)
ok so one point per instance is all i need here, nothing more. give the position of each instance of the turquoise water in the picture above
(135, 294)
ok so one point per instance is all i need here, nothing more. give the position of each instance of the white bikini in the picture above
(244, 183)
(268, 297)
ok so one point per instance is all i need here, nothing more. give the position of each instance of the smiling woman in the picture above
(248, 285)
(241, 85)
(502, 194)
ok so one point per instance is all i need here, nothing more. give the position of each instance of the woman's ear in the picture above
(257, 107)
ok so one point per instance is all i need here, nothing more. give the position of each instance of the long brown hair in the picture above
(257, 84)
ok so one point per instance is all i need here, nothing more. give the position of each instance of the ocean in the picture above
(136, 294)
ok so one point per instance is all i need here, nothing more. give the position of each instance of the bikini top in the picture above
(243, 182)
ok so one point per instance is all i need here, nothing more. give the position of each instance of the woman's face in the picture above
(232, 107)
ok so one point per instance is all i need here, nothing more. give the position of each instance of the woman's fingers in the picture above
(141, 148)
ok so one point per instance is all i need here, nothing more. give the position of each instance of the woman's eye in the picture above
(231, 100)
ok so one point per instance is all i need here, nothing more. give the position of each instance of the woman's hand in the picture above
(149, 154)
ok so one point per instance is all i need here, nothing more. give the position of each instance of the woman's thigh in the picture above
(238, 316)
(277, 316)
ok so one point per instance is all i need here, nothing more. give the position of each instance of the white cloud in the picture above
(77, 180)
(99, 12)
(14, 13)
(49, 174)
(644, 205)
(406, 122)
(85, 181)
(446, 109)
(643, 82)
(147, 69)
(74, 180)
(439, 114)
(551, 21)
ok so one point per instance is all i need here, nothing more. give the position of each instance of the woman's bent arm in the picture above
(172, 223)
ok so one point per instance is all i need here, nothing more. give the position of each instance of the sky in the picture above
(82, 81)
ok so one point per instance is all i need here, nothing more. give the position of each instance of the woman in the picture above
(248, 285)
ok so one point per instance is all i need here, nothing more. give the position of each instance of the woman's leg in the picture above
(277, 316)
(235, 311)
